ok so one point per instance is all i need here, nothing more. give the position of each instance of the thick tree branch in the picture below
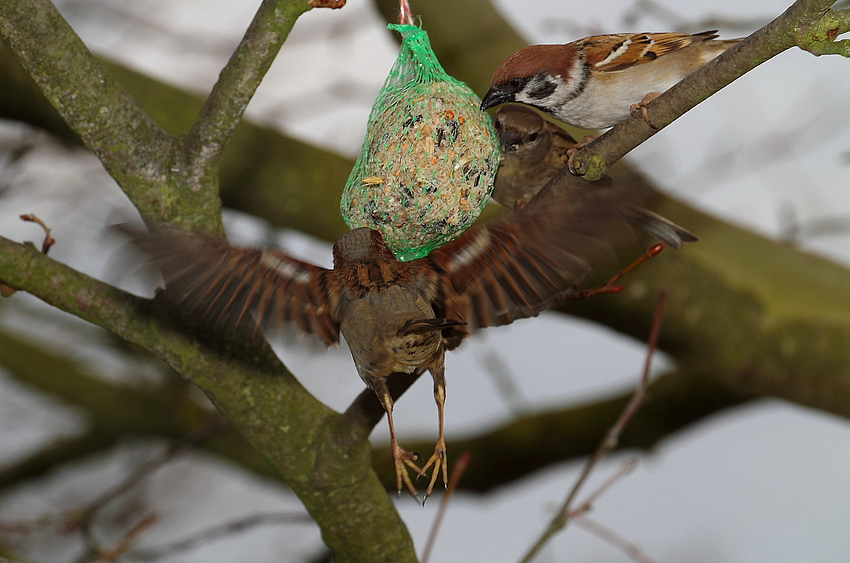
(302, 439)
(128, 143)
(279, 179)
(236, 85)
(802, 24)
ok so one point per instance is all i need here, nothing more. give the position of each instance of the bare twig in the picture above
(82, 519)
(611, 537)
(216, 532)
(609, 442)
(609, 287)
(458, 469)
(123, 544)
(85, 517)
(49, 241)
(587, 505)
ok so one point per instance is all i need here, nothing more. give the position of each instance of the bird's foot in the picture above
(642, 107)
(609, 287)
(438, 460)
(404, 462)
(572, 151)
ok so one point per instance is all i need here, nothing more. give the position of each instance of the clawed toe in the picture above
(440, 466)
(404, 462)
(642, 107)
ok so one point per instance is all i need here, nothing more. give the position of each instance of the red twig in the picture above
(8, 291)
(123, 544)
(609, 287)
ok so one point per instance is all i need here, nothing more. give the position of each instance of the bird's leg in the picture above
(402, 459)
(609, 287)
(642, 107)
(438, 459)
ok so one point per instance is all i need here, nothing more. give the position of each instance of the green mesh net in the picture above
(427, 164)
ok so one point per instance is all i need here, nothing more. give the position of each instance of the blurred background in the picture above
(766, 481)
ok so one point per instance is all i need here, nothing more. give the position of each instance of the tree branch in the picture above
(236, 85)
(801, 24)
(129, 144)
(330, 472)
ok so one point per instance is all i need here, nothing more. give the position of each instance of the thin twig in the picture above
(84, 518)
(587, 505)
(213, 425)
(609, 287)
(123, 544)
(49, 241)
(459, 467)
(609, 442)
(222, 530)
(611, 537)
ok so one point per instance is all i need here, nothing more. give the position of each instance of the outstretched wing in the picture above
(527, 262)
(223, 288)
(611, 53)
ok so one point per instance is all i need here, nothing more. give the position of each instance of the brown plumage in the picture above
(536, 151)
(533, 150)
(398, 316)
(593, 82)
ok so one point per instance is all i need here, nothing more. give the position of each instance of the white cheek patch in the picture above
(575, 83)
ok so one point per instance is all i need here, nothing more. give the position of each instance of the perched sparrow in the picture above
(535, 151)
(593, 83)
(398, 316)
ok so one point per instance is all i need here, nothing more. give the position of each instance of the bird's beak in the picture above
(495, 97)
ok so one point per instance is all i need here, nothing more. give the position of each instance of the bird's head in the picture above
(360, 244)
(542, 76)
(519, 128)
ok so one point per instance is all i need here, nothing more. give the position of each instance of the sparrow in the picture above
(535, 152)
(596, 82)
(397, 316)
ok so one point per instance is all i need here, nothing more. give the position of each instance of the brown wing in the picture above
(525, 263)
(611, 53)
(225, 289)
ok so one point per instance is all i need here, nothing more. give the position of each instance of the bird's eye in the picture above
(532, 137)
(515, 83)
(497, 125)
